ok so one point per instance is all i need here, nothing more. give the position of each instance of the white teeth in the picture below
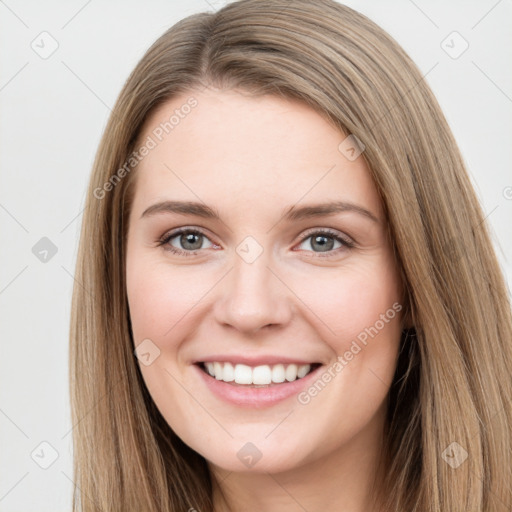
(258, 375)
(262, 375)
(228, 373)
(303, 370)
(243, 374)
(278, 374)
(217, 368)
(291, 372)
(210, 367)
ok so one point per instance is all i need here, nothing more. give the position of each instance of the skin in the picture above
(251, 158)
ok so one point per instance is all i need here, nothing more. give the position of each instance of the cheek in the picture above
(347, 303)
(163, 304)
(357, 314)
(158, 299)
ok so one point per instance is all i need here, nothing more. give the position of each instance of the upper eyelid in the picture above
(186, 229)
(329, 231)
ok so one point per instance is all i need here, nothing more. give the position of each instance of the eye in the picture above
(324, 241)
(184, 241)
(188, 241)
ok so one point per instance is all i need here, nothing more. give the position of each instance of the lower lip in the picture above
(247, 396)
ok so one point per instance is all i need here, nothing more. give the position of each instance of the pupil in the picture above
(189, 239)
(324, 243)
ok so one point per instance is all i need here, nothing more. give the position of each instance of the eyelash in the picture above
(345, 241)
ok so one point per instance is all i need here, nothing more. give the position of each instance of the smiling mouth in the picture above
(257, 376)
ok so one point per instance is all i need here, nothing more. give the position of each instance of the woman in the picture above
(338, 336)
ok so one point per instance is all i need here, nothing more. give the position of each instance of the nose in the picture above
(251, 297)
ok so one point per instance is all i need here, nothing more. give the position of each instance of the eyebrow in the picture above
(292, 213)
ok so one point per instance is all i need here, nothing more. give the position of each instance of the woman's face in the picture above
(257, 250)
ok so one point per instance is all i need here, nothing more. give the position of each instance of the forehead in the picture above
(229, 146)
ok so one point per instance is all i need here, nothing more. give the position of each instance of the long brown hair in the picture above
(452, 394)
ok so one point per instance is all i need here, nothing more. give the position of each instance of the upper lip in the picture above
(254, 360)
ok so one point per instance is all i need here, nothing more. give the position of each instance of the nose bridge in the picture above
(251, 297)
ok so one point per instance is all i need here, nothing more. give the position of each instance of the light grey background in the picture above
(53, 112)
